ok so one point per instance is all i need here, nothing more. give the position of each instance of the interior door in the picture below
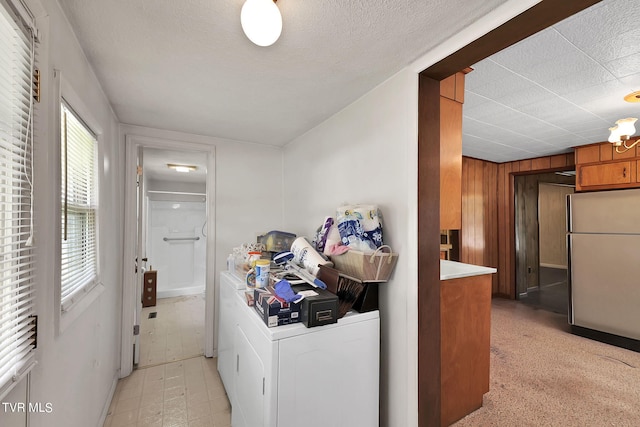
(140, 257)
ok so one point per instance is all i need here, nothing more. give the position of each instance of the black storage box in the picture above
(319, 309)
(274, 310)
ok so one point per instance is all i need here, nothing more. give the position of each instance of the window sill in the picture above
(68, 317)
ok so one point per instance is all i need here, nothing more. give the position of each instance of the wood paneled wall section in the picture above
(479, 233)
(488, 231)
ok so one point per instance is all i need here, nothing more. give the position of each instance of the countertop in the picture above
(456, 270)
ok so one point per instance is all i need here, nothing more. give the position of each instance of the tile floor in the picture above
(175, 333)
(186, 393)
(173, 385)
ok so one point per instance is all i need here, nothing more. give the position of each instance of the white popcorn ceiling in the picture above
(187, 66)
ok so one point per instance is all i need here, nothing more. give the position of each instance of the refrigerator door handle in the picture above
(570, 301)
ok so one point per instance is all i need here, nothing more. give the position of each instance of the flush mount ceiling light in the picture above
(261, 21)
(182, 168)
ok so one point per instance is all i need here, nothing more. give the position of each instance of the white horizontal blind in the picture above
(17, 335)
(79, 255)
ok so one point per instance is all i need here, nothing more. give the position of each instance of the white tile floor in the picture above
(175, 333)
(187, 393)
(173, 385)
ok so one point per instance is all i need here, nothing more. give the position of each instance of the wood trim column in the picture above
(429, 369)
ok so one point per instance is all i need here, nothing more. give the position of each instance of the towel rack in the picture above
(171, 239)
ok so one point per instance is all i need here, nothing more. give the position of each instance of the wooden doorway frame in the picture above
(537, 18)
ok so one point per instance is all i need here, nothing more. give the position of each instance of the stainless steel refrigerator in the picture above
(604, 262)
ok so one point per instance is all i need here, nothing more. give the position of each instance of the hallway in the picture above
(174, 384)
(174, 332)
(186, 393)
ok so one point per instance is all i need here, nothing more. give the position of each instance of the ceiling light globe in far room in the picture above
(261, 21)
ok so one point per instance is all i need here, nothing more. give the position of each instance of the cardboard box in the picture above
(319, 306)
(274, 310)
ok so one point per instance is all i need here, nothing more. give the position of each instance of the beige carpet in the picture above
(541, 375)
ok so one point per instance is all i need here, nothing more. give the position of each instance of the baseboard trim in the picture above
(105, 409)
(607, 338)
(194, 290)
(561, 267)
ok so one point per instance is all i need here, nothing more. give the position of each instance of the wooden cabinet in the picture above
(451, 99)
(465, 331)
(610, 173)
(600, 167)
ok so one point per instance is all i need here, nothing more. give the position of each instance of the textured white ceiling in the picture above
(155, 165)
(560, 88)
(185, 65)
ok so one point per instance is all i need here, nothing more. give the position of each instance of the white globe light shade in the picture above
(626, 126)
(261, 21)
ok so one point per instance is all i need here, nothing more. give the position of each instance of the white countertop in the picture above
(456, 270)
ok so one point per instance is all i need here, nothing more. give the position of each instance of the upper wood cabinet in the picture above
(451, 99)
(600, 167)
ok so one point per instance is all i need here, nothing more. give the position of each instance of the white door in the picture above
(140, 257)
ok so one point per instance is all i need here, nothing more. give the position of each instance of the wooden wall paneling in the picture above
(571, 159)
(480, 214)
(479, 228)
(524, 165)
(491, 218)
(540, 163)
(507, 288)
(502, 236)
(467, 215)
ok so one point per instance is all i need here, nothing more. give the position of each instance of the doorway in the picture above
(167, 217)
(540, 231)
(173, 236)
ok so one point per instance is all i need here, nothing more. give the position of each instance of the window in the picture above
(17, 331)
(79, 204)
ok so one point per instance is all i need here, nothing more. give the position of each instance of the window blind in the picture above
(79, 266)
(17, 332)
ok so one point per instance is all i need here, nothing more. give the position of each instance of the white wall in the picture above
(367, 154)
(77, 368)
(180, 263)
(248, 189)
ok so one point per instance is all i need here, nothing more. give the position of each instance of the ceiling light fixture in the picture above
(261, 21)
(182, 168)
(621, 133)
(625, 128)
